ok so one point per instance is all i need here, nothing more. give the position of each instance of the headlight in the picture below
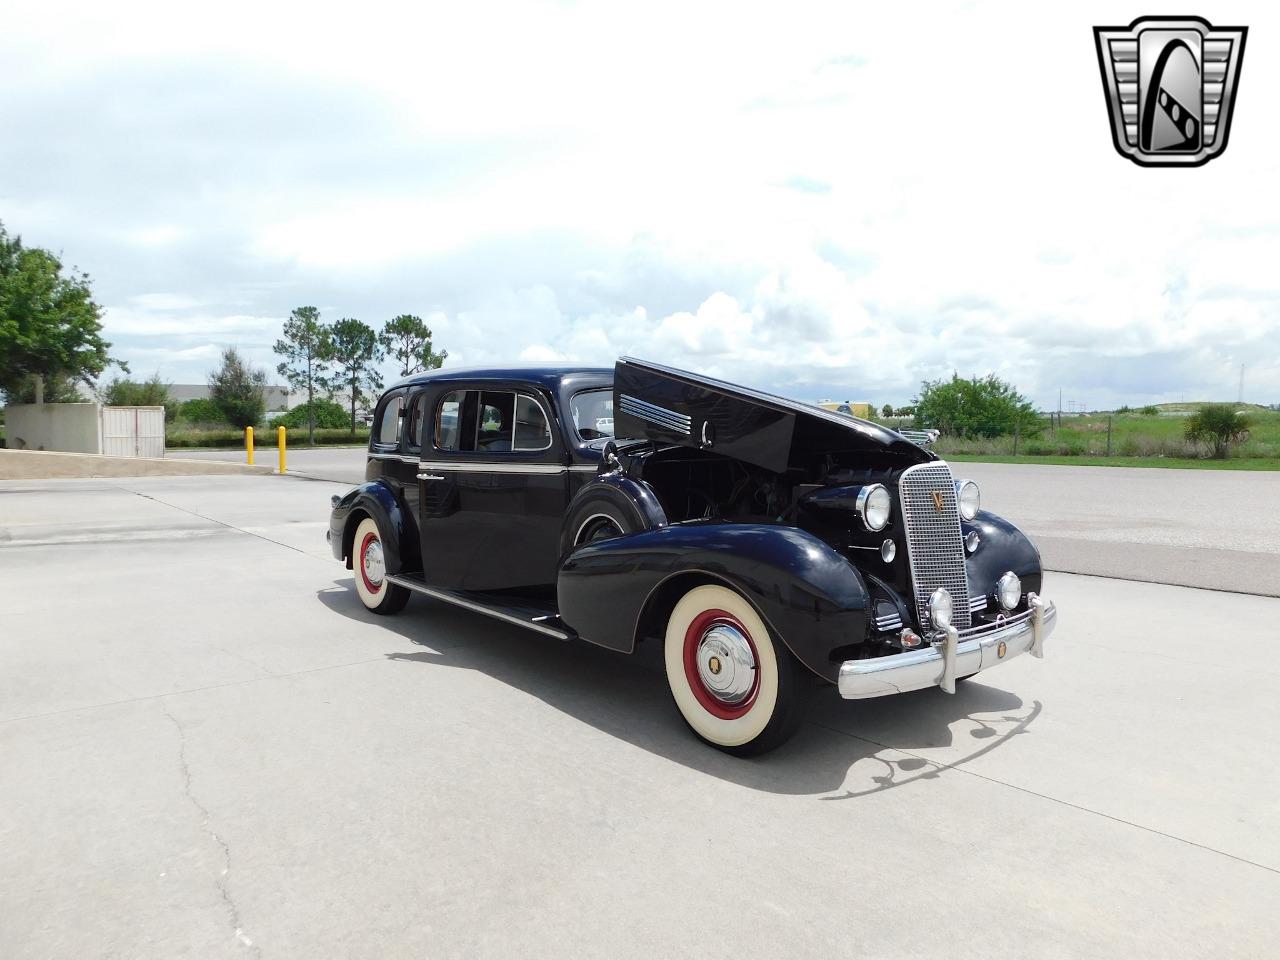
(940, 608)
(873, 506)
(969, 499)
(1009, 590)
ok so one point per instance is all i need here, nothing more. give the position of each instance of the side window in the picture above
(495, 425)
(448, 421)
(414, 421)
(531, 429)
(388, 433)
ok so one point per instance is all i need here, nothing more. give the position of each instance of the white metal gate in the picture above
(133, 431)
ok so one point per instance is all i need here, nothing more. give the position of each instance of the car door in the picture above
(494, 485)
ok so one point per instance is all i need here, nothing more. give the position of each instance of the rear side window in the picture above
(389, 423)
(413, 422)
(448, 421)
(491, 421)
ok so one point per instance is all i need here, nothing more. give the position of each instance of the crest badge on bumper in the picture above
(1170, 84)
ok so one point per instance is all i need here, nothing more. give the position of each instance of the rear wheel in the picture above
(736, 687)
(369, 565)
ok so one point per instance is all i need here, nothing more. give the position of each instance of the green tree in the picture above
(355, 351)
(50, 327)
(306, 349)
(1218, 426)
(237, 389)
(57, 389)
(886, 410)
(986, 407)
(407, 340)
(152, 392)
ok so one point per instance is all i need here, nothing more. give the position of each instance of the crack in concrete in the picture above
(206, 824)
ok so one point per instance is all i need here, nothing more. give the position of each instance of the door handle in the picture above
(429, 476)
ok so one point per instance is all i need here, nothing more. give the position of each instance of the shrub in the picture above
(1150, 411)
(1219, 427)
(201, 410)
(152, 392)
(328, 414)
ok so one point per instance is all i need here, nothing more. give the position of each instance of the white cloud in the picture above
(831, 198)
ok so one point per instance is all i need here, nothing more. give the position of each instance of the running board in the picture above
(529, 617)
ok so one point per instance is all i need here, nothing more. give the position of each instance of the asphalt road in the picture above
(1216, 529)
(208, 749)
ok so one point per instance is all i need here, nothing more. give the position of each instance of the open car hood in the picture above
(666, 405)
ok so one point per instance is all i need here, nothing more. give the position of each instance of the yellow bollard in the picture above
(248, 444)
(280, 442)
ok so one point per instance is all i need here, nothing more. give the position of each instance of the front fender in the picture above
(379, 500)
(1002, 547)
(811, 596)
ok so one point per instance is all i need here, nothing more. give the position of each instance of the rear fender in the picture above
(615, 592)
(376, 499)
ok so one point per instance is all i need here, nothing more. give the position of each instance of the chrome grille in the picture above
(935, 548)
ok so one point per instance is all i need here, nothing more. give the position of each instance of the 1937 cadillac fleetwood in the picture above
(761, 541)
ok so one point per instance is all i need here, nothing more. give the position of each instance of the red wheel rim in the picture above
(702, 623)
(364, 545)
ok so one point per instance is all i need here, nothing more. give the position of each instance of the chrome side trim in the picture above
(393, 456)
(978, 649)
(477, 607)
(489, 466)
(660, 416)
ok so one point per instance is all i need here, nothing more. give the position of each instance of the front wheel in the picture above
(370, 568)
(736, 687)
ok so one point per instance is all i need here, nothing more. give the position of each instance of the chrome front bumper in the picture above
(961, 654)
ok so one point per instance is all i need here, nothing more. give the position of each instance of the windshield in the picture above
(592, 412)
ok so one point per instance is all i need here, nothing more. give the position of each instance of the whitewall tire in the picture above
(370, 569)
(736, 687)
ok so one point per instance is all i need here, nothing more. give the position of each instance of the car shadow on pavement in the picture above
(845, 750)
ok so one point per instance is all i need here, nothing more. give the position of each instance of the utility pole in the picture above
(1241, 398)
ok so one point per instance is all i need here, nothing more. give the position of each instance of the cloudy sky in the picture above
(828, 200)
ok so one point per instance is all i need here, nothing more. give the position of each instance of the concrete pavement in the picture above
(209, 749)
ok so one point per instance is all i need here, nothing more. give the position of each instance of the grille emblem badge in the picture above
(937, 501)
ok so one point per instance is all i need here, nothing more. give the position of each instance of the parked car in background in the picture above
(765, 544)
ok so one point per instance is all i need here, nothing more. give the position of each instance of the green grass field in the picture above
(1136, 441)
(1164, 463)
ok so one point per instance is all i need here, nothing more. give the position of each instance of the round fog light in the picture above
(1009, 590)
(888, 550)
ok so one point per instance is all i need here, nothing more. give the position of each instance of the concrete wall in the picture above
(70, 427)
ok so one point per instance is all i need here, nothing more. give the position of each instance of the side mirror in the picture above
(610, 453)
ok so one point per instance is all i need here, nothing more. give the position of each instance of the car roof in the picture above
(545, 375)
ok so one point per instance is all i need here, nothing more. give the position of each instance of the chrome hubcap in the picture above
(726, 665)
(374, 566)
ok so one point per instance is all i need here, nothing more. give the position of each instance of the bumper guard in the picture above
(961, 654)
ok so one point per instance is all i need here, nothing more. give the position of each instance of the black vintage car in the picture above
(763, 542)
